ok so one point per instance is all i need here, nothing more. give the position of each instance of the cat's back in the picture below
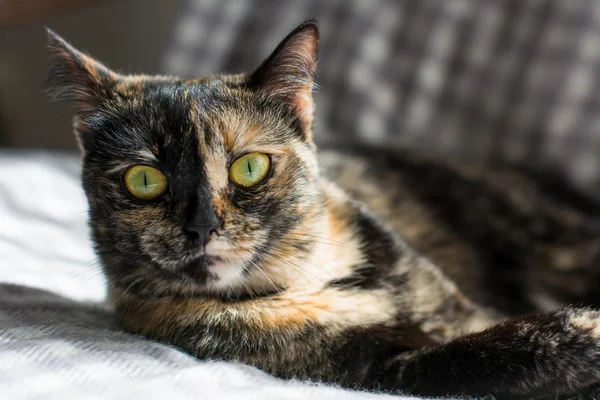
(514, 239)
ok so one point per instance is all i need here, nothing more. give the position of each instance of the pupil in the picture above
(145, 180)
(249, 167)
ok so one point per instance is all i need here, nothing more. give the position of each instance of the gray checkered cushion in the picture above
(479, 79)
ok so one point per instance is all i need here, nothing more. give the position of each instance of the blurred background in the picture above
(510, 80)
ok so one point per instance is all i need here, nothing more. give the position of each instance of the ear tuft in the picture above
(76, 76)
(289, 72)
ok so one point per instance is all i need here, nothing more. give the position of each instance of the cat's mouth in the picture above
(199, 268)
(227, 263)
(219, 266)
(228, 252)
(206, 261)
(214, 271)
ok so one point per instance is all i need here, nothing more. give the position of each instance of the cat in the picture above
(222, 230)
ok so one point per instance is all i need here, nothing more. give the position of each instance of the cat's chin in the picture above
(220, 268)
(216, 272)
(225, 275)
(228, 264)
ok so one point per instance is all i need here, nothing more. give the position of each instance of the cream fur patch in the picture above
(589, 321)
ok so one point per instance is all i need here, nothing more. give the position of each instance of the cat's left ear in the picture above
(289, 73)
(76, 76)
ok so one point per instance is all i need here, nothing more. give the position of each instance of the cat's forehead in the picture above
(216, 113)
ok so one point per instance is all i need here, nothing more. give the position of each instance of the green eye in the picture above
(145, 183)
(250, 169)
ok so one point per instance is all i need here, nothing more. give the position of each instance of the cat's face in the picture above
(215, 219)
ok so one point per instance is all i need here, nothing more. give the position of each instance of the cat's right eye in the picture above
(144, 182)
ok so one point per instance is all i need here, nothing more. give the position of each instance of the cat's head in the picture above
(195, 181)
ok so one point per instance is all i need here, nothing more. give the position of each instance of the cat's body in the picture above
(513, 239)
(286, 271)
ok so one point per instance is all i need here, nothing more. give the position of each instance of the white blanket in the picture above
(57, 338)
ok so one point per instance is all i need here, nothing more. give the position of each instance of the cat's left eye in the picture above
(145, 183)
(250, 170)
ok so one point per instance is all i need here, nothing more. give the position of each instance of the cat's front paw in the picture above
(532, 356)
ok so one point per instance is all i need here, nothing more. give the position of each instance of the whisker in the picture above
(295, 266)
(86, 268)
(266, 276)
(298, 269)
(126, 290)
(326, 241)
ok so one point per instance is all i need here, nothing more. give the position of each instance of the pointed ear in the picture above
(76, 76)
(289, 72)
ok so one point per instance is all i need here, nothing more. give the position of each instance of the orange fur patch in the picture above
(330, 308)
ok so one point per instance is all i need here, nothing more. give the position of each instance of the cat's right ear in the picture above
(77, 77)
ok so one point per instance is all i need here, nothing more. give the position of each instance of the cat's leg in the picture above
(542, 354)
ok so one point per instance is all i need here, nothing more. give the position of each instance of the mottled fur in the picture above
(365, 267)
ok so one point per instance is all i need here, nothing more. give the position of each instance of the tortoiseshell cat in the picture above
(221, 233)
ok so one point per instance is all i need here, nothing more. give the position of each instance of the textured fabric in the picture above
(479, 79)
(57, 338)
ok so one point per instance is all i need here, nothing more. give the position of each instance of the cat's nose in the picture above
(201, 227)
(200, 233)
